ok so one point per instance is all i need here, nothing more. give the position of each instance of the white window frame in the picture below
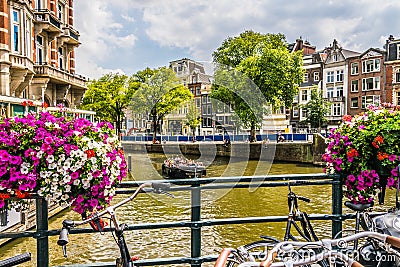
(305, 78)
(398, 97)
(339, 91)
(397, 77)
(371, 65)
(316, 76)
(376, 84)
(354, 86)
(370, 99)
(61, 11)
(339, 75)
(354, 68)
(330, 92)
(398, 51)
(330, 76)
(336, 109)
(61, 58)
(295, 112)
(28, 37)
(304, 95)
(39, 49)
(16, 31)
(352, 101)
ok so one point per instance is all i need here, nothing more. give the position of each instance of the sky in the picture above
(126, 36)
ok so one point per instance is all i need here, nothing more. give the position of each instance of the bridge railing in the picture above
(195, 186)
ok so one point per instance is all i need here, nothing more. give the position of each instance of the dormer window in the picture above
(335, 57)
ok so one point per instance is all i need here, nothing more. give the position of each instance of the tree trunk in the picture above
(252, 133)
(154, 127)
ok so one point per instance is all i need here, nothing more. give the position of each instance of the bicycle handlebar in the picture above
(157, 188)
(17, 259)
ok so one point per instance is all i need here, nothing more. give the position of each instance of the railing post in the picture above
(195, 228)
(337, 198)
(42, 226)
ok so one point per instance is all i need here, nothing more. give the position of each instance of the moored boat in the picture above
(179, 168)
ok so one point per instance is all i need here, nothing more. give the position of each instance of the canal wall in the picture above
(302, 152)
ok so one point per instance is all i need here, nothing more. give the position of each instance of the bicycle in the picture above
(282, 251)
(97, 223)
(257, 249)
(15, 260)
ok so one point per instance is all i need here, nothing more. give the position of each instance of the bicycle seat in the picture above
(358, 206)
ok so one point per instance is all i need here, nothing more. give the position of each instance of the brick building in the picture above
(37, 58)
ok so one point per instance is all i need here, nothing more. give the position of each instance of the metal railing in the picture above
(195, 186)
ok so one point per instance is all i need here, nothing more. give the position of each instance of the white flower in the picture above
(52, 166)
(67, 188)
(76, 182)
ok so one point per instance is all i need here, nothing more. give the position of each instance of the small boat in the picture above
(179, 168)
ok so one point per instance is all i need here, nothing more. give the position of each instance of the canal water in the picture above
(175, 242)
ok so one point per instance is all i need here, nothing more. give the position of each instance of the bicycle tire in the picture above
(255, 249)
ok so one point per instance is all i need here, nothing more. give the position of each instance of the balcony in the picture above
(335, 99)
(69, 36)
(21, 62)
(59, 76)
(45, 21)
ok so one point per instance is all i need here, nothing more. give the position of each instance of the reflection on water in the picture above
(175, 242)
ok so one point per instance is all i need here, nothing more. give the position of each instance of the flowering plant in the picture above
(68, 161)
(365, 149)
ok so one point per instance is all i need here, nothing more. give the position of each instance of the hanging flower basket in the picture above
(67, 161)
(365, 150)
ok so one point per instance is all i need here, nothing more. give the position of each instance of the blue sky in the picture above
(129, 35)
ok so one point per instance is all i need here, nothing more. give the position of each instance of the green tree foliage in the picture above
(316, 109)
(109, 96)
(193, 119)
(158, 95)
(255, 70)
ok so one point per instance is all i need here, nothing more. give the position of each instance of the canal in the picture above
(89, 248)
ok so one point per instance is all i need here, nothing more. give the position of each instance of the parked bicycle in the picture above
(281, 254)
(97, 223)
(297, 219)
(15, 260)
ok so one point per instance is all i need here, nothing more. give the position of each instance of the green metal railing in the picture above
(195, 186)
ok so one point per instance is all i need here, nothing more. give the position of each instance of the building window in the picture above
(398, 51)
(60, 58)
(329, 77)
(316, 76)
(370, 100)
(295, 111)
(339, 75)
(372, 83)
(38, 4)
(398, 76)
(304, 95)
(371, 65)
(329, 92)
(16, 28)
(197, 90)
(354, 102)
(198, 102)
(354, 68)
(39, 49)
(60, 12)
(335, 57)
(339, 91)
(398, 98)
(354, 86)
(336, 110)
(305, 77)
(28, 38)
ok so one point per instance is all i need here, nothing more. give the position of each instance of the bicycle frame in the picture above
(125, 260)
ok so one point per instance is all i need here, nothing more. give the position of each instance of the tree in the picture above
(158, 95)
(316, 109)
(255, 70)
(109, 96)
(193, 118)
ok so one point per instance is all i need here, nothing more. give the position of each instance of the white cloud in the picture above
(111, 27)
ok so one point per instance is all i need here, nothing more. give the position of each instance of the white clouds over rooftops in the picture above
(130, 35)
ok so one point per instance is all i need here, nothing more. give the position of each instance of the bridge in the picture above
(195, 187)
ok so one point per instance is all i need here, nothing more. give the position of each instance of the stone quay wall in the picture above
(303, 152)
